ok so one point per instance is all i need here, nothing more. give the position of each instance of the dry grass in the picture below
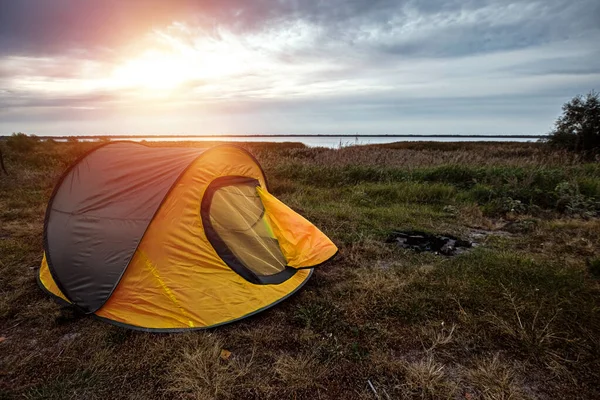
(425, 155)
(534, 332)
(515, 318)
(494, 380)
(299, 373)
(202, 369)
(436, 337)
(421, 378)
(428, 379)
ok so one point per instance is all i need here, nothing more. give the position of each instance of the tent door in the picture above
(235, 223)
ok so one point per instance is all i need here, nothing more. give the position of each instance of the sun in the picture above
(168, 67)
(155, 70)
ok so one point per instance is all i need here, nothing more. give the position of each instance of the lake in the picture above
(320, 141)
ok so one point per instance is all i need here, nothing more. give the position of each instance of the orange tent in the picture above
(168, 239)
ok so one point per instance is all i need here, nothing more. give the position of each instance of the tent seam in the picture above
(102, 217)
(164, 286)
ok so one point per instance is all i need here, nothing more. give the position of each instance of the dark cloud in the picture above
(449, 27)
(46, 27)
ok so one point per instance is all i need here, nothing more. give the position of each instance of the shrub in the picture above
(21, 142)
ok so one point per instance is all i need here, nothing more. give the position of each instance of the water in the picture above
(320, 141)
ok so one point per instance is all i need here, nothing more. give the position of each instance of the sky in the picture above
(97, 67)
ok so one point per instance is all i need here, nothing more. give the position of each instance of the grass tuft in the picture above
(494, 380)
(199, 372)
(428, 379)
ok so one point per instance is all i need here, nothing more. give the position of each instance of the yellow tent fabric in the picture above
(302, 243)
(47, 282)
(219, 248)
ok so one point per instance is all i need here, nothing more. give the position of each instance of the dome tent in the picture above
(168, 239)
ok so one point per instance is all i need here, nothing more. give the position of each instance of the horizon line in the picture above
(522, 136)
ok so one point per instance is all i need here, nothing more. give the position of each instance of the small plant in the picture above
(527, 328)
(514, 206)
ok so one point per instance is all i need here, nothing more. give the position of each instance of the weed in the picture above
(437, 336)
(533, 332)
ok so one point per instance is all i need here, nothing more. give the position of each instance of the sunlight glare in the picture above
(182, 64)
(154, 70)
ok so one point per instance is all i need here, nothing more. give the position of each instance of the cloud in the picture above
(431, 26)
(371, 64)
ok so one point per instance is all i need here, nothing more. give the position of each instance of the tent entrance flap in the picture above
(234, 219)
(302, 244)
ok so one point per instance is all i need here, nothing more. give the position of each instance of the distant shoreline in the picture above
(290, 136)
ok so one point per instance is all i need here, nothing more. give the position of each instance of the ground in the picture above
(515, 317)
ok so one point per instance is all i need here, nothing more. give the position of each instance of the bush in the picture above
(578, 128)
(21, 142)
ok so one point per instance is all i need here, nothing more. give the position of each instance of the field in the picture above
(516, 317)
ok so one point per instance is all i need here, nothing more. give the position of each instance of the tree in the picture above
(578, 128)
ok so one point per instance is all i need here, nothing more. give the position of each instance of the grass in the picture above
(517, 317)
(202, 372)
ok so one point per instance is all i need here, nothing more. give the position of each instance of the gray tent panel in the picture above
(100, 211)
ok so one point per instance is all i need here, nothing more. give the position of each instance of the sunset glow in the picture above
(179, 63)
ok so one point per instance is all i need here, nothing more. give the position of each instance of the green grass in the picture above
(516, 317)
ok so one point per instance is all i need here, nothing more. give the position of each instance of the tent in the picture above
(173, 238)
